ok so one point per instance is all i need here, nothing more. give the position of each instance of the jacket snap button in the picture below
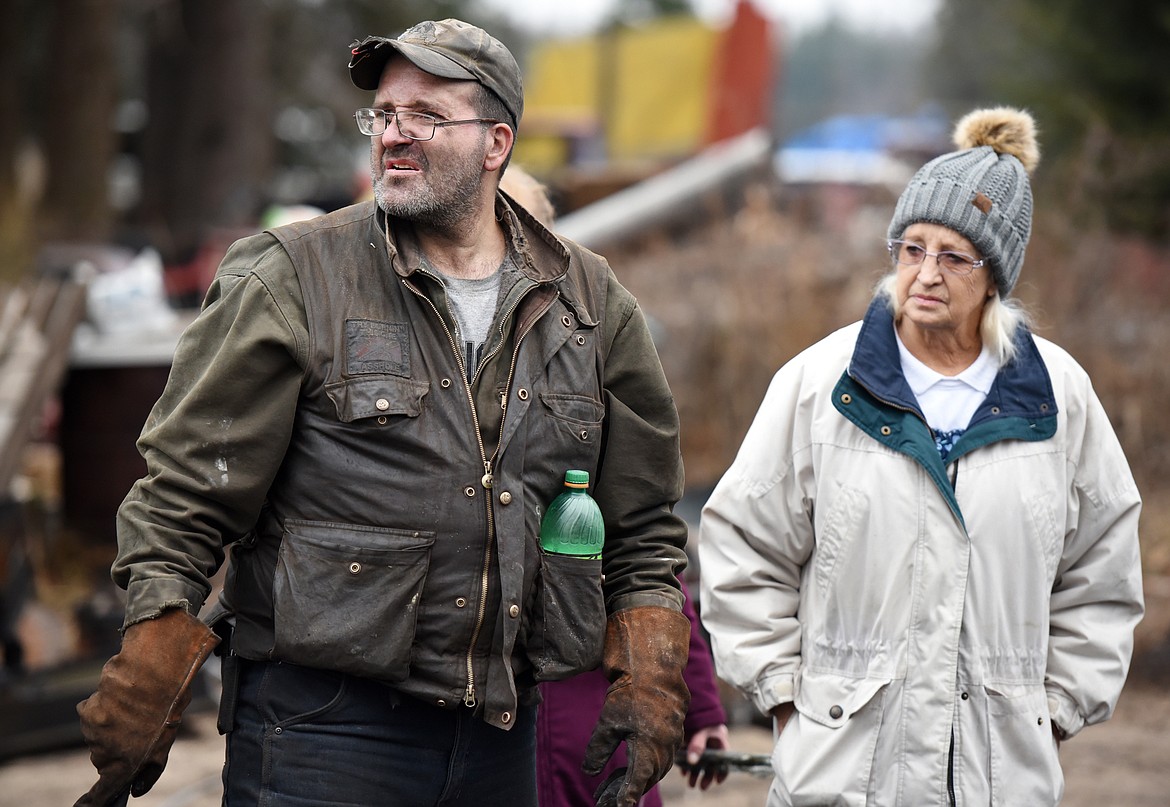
(568, 323)
(469, 491)
(836, 712)
(505, 498)
(964, 696)
(885, 431)
(440, 703)
(355, 567)
(580, 339)
(584, 435)
(846, 398)
(514, 611)
(1039, 721)
(522, 394)
(278, 730)
(446, 382)
(995, 410)
(382, 404)
(460, 602)
(381, 420)
(506, 717)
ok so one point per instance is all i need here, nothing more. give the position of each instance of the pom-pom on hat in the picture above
(981, 191)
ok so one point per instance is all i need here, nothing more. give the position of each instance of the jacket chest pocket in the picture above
(573, 416)
(346, 597)
(380, 397)
(563, 430)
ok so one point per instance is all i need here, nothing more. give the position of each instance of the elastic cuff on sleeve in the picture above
(774, 690)
(1062, 711)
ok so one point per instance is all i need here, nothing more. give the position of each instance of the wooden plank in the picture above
(36, 330)
(11, 315)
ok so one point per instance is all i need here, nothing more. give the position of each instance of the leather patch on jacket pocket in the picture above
(377, 347)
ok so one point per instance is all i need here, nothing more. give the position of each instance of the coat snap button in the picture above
(836, 712)
(514, 611)
(580, 339)
(505, 498)
(382, 404)
(846, 398)
(469, 491)
(460, 602)
(886, 431)
(964, 696)
(568, 323)
(446, 382)
(355, 567)
(522, 394)
(506, 717)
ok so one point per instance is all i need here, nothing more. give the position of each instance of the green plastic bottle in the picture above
(573, 525)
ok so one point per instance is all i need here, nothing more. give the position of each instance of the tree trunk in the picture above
(77, 121)
(14, 231)
(208, 147)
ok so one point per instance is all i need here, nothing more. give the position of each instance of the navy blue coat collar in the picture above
(1022, 389)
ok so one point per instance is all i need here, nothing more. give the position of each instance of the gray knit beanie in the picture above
(981, 191)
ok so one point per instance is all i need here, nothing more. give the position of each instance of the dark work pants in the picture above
(309, 738)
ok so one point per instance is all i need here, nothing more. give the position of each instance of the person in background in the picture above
(924, 560)
(373, 409)
(569, 708)
(530, 193)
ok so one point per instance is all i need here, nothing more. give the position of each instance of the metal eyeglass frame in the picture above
(942, 258)
(369, 124)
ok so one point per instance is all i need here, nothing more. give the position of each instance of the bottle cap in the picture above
(577, 478)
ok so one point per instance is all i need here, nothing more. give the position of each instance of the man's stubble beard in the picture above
(440, 201)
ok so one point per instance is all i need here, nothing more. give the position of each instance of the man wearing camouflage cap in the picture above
(374, 409)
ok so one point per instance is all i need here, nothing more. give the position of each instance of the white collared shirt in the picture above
(949, 401)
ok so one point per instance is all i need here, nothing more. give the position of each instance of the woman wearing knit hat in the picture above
(924, 560)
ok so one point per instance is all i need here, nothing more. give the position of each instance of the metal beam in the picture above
(670, 195)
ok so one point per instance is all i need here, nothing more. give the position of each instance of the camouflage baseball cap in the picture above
(449, 49)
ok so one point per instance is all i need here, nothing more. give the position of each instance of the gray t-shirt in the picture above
(473, 305)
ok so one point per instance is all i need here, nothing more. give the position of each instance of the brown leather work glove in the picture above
(645, 653)
(131, 721)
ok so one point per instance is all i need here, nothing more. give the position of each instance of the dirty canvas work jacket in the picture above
(384, 508)
(929, 620)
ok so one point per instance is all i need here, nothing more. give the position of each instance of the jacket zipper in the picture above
(469, 697)
(951, 772)
(954, 478)
(470, 700)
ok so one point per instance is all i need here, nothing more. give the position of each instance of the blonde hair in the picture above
(1001, 320)
(530, 193)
